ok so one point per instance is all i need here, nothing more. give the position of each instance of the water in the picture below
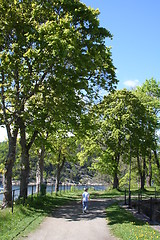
(51, 188)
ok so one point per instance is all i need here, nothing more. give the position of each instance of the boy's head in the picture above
(86, 189)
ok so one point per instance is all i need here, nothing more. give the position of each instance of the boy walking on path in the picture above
(85, 199)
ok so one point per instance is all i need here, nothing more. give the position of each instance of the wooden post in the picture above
(52, 189)
(13, 199)
(60, 187)
(24, 198)
(32, 193)
(138, 202)
(125, 197)
(129, 201)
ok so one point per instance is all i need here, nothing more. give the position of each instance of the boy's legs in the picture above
(85, 206)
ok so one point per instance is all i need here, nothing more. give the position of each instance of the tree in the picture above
(63, 148)
(56, 49)
(119, 125)
(149, 95)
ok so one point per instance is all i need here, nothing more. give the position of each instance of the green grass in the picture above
(12, 225)
(27, 218)
(112, 193)
(125, 226)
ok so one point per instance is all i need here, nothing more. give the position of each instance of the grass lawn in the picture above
(113, 193)
(27, 218)
(125, 226)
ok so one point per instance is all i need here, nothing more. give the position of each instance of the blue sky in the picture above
(136, 38)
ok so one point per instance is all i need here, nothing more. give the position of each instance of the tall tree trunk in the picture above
(41, 163)
(150, 170)
(7, 198)
(24, 160)
(139, 167)
(25, 166)
(143, 176)
(60, 166)
(142, 181)
(157, 160)
(12, 132)
(141, 170)
(57, 178)
(40, 167)
(24, 172)
(38, 177)
(144, 173)
(116, 180)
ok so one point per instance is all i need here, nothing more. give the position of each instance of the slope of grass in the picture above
(26, 218)
(125, 226)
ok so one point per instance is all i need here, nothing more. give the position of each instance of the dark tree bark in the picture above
(25, 166)
(7, 198)
(157, 161)
(116, 180)
(60, 166)
(143, 174)
(24, 172)
(150, 170)
(12, 132)
(142, 171)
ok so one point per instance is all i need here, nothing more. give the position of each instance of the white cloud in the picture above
(131, 83)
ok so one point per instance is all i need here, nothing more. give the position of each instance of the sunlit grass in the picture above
(125, 226)
(26, 218)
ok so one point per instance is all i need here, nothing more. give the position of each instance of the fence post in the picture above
(24, 198)
(138, 202)
(13, 199)
(60, 187)
(52, 189)
(38, 189)
(125, 197)
(129, 201)
(32, 193)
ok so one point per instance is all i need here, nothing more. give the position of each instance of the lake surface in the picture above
(51, 188)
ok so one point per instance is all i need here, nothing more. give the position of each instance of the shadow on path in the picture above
(73, 212)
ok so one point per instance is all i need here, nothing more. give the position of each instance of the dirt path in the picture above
(69, 223)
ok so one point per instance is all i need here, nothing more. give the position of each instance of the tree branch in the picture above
(32, 139)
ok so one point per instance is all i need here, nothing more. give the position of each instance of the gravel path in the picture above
(69, 223)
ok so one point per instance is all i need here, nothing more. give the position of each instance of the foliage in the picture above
(118, 121)
(54, 62)
(48, 53)
(155, 177)
(149, 95)
(3, 154)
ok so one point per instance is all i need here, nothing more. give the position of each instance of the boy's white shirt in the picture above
(85, 196)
